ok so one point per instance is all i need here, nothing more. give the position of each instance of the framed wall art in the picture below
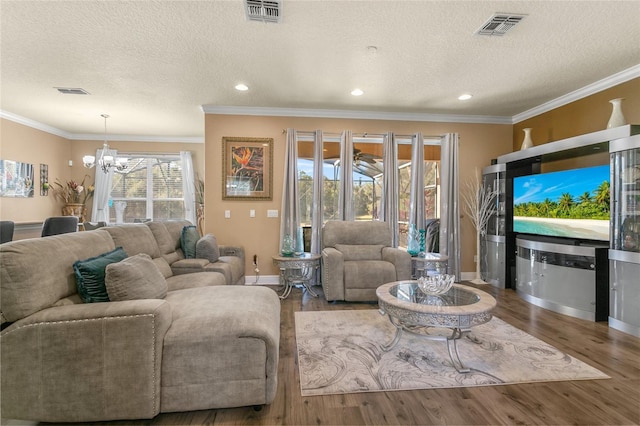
(247, 169)
(16, 179)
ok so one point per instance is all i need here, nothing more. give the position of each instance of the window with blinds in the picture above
(151, 187)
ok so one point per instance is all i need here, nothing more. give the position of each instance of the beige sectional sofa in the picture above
(204, 345)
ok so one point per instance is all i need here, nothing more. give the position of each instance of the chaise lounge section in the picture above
(204, 345)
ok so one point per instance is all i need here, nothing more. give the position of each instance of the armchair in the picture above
(357, 258)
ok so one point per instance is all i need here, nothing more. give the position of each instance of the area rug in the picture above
(341, 352)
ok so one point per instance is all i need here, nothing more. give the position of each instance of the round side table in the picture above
(297, 269)
(432, 263)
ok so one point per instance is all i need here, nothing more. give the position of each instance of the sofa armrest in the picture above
(332, 274)
(401, 260)
(85, 362)
(232, 251)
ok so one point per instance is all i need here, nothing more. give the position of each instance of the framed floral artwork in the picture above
(247, 169)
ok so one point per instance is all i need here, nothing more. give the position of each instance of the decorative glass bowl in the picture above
(435, 284)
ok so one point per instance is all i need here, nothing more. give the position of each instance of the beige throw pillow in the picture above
(135, 277)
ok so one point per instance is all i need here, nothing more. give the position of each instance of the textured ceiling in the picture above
(152, 65)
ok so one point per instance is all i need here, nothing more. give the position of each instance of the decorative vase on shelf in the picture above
(527, 142)
(617, 117)
(287, 246)
(413, 241)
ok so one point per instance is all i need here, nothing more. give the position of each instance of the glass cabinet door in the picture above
(494, 179)
(625, 191)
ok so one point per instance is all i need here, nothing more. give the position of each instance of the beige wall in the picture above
(586, 115)
(28, 145)
(479, 143)
(23, 143)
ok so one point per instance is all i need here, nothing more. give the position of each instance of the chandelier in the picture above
(106, 161)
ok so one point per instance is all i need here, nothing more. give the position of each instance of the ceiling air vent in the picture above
(499, 24)
(263, 10)
(72, 90)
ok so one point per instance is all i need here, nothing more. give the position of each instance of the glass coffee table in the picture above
(459, 309)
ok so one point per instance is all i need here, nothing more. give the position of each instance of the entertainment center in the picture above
(566, 233)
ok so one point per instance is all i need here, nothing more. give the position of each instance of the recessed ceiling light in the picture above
(242, 87)
(465, 97)
(357, 92)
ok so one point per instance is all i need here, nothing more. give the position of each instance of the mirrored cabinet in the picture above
(624, 249)
(492, 245)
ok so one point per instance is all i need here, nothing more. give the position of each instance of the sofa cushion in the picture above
(195, 279)
(360, 252)
(90, 275)
(188, 241)
(37, 272)
(136, 277)
(134, 238)
(231, 266)
(207, 248)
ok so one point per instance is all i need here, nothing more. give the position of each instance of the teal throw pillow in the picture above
(90, 275)
(188, 241)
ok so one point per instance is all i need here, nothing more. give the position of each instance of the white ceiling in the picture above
(153, 65)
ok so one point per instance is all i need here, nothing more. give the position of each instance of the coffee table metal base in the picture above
(452, 347)
(459, 309)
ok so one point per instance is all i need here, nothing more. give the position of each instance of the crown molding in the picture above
(349, 114)
(97, 137)
(34, 124)
(598, 86)
(136, 138)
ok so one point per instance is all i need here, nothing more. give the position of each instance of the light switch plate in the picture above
(252, 213)
(227, 214)
(272, 213)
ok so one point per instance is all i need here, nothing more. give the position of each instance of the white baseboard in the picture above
(275, 279)
(262, 280)
(467, 276)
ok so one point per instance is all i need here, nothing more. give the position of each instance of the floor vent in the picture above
(499, 24)
(263, 10)
(72, 91)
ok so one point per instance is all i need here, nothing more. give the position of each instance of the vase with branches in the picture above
(74, 196)
(480, 205)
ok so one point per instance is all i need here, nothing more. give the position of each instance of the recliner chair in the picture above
(357, 258)
(59, 225)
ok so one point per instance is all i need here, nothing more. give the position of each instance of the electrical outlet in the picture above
(252, 213)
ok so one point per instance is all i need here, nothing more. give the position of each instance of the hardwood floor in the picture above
(614, 401)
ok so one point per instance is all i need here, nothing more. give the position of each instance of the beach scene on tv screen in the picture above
(569, 203)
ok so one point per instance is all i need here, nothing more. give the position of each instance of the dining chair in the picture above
(59, 225)
(6, 231)
(89, 226)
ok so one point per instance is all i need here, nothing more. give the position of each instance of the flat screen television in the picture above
(569, 203)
